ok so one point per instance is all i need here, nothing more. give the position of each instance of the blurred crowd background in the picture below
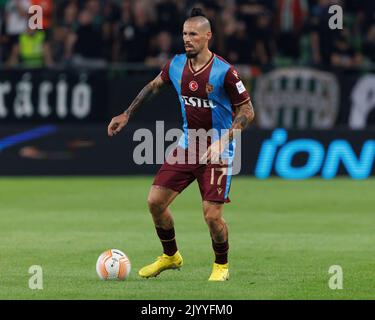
(251, 32)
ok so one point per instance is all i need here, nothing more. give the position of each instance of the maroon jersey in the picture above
(209, 95)
(208, 99)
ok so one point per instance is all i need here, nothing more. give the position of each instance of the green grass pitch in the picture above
(284, 236)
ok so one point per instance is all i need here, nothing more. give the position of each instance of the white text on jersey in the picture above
(197, 102)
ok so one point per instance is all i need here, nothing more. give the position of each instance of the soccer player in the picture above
(212, 96)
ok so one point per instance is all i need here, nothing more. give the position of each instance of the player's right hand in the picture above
(117, 123)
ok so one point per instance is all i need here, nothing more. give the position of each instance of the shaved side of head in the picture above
(202, 23)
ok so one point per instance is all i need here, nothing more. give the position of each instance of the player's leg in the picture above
(169, 181)
(158, 201)
(214, 184)
(213, 215)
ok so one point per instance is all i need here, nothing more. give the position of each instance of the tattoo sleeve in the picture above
(151, 89)
(244, 115)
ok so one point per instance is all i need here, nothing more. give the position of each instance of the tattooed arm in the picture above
(120, 121)
(244, 115)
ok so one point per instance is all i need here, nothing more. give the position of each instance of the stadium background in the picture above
(313, 90)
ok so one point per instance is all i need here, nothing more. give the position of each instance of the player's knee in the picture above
(155, 206)
(212, 219)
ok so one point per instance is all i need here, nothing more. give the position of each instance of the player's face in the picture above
(195, 39)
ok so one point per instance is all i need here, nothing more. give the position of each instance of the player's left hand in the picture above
(212, 155)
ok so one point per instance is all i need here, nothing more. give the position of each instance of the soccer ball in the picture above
(113, 264)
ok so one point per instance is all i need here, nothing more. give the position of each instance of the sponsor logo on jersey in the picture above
(209, 88)
(240, 87)
(197, 102)
(193, 85)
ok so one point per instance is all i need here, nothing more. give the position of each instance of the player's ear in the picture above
(209, 35)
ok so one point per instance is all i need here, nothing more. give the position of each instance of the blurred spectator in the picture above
(258, 32)
(343, 54)
(63, 35)
(16, 15)
(322, 38)
(68, 15)
(167, 17)
(126, 19)
(161, 52)
(93, 7)
(290, 19)
(265, 46)
(369, 44)
(365, 10)
(31, 51)
(87, 43)
(238, 44)
(133, 33)
(111, 16)
(247, 11)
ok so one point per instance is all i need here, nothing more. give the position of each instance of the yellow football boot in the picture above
(220, 272)
(162, 263)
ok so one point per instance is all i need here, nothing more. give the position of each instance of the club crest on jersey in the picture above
(209, 88)
(193, 85)
(197, 102)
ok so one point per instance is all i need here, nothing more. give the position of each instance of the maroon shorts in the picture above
(213, 180)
